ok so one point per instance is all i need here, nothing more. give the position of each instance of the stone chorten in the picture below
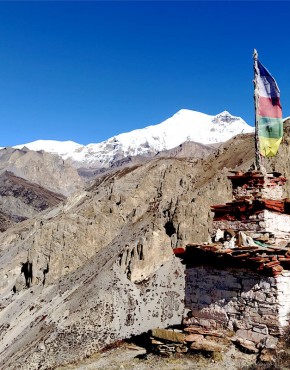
(241, 281)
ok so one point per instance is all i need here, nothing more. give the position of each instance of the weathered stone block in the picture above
(207, 345)
(271, 299)
(232, 308)
(250, 335)
(248, 345)
(268, 310)
(275, 331)
(269, 320)
(181, 349)
(260, 328)
(271, 342)
(265, 285)
(169, 335)
(207, 323)
(201, 322)
(241, 324)
(212, 313)
(251, 307)
(248, 294)
(260, 296)
(193, 337)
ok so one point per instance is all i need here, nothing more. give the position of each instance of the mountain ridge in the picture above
(21, 199)
(45, 169)
(185, 125)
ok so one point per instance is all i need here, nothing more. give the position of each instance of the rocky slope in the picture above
(20, 199)
(184, 150)
(100, 267)
(189, 149)
(7, 221)
(45, 169)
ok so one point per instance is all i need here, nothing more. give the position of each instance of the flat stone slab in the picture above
(247, 345)
(194, 337)
(169, 335)
(207, 345)
(203, 331)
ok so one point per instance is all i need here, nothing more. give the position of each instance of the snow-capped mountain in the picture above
(185, 125)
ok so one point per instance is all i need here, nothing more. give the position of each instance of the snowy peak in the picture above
(225, 117)
(52, 146)
(185, 125)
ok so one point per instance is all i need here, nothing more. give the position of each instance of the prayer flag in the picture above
(269, 123)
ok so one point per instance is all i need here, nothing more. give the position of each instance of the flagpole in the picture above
(257, 144)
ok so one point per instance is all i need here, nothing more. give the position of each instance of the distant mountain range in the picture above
(185, 125)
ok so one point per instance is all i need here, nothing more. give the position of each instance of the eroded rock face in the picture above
(68, 236)
(90, 308)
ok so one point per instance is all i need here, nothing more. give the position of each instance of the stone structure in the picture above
(244, 285)
(257, 207)
(255, 307)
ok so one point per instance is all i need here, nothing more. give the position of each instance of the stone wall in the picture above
(269, 191)
(255, 307)
(264, 221)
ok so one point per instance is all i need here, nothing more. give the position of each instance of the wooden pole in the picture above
(256, 98)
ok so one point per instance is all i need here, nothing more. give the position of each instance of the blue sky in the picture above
(86, 71)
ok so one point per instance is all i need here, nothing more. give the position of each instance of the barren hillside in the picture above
(45, 169)
(21, 199)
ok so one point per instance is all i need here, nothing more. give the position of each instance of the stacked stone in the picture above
(254, 184)
(254, 308)
(192, 338)
(258, 208)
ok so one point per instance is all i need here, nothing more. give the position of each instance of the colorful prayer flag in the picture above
(268, 111)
